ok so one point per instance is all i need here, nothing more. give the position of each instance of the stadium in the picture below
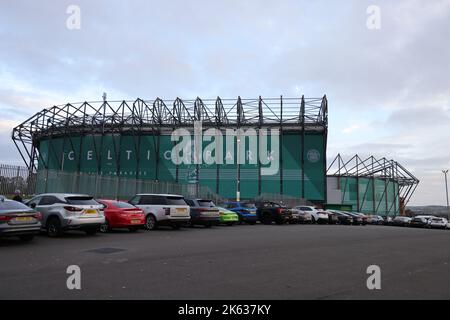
(118, 148)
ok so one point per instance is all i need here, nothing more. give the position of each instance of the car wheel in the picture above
(104, 228)
(26, 238)
(150, 222)
(313, 220)
(91, 231)
(54, 227)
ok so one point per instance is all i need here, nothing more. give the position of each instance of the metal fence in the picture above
(114, 187)
(14, 178)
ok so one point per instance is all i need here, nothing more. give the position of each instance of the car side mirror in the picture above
(33, 205)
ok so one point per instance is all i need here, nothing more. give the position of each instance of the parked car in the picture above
(203, 212)
(18, 220)
(401, 221)
(63, 211)
(375, 219)
(228, 217)
(421, 221)
(302, 216)
(317, 216)
(438, 223)
(387, 220)
(246, 211)
(119, 214)
(332, 217)
(357, 219)
(363, 217)
(162, 210)
(343, 218)
(269, 211)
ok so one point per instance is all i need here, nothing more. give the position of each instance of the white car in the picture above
(162, 210)
(317, 215)
(438, 223)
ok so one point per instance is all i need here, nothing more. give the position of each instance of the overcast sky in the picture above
(388, 88)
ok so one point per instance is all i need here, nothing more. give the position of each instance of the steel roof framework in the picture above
(138, 116)
(372, 167)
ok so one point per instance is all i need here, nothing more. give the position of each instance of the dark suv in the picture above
(268, 212)
(203, 212)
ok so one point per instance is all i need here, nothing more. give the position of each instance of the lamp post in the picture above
(446, 192)
(238, 180)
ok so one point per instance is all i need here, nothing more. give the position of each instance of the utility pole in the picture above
(446, 192)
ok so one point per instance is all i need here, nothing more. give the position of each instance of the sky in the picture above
(387, 82)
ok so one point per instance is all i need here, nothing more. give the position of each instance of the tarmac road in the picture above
(238, 262)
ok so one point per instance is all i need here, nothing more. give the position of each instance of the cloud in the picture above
(389, 90)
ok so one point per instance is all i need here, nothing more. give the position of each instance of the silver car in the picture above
(17, 220)
(61, 212)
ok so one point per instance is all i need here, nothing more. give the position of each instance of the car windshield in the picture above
(176, 201)
(123, 205)
(248, 205)
(82, 201)
(12, 205)
(206, 203)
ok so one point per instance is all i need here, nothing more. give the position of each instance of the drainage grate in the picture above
(106, 250)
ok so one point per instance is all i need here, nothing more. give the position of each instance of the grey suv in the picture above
(61, 212)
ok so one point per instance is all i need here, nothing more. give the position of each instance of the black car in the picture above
(357, 219)
(268, 212)
(203, 212)
(420, 222)
(332, 218)
(400, 221)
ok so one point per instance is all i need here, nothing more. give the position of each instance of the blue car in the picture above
(245, 210)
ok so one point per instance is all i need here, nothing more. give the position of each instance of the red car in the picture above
(120, 214)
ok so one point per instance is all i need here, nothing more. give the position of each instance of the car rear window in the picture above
(248, 205)
(81, 201)
(13, 205)
(206, 203)
(123, 205)
(175, 201)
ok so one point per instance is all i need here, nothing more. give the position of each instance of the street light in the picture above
(446, 192)
(238, 180)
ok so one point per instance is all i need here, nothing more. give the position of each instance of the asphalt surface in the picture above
(238, 262)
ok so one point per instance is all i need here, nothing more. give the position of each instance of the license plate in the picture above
(135, 221)
(91, 212)
(180, 210)
(24, 219)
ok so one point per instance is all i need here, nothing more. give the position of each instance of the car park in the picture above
(18, 220)
(401, 221)
(162, 210)
(119, 214)
(63, 212)
(245, 210)
(438, 223)
(269, 212)
(203, 212)
(421, 221)
(228, 217)
(317, 216)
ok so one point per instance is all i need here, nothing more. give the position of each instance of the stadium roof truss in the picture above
(376, 168)
(140, 116)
